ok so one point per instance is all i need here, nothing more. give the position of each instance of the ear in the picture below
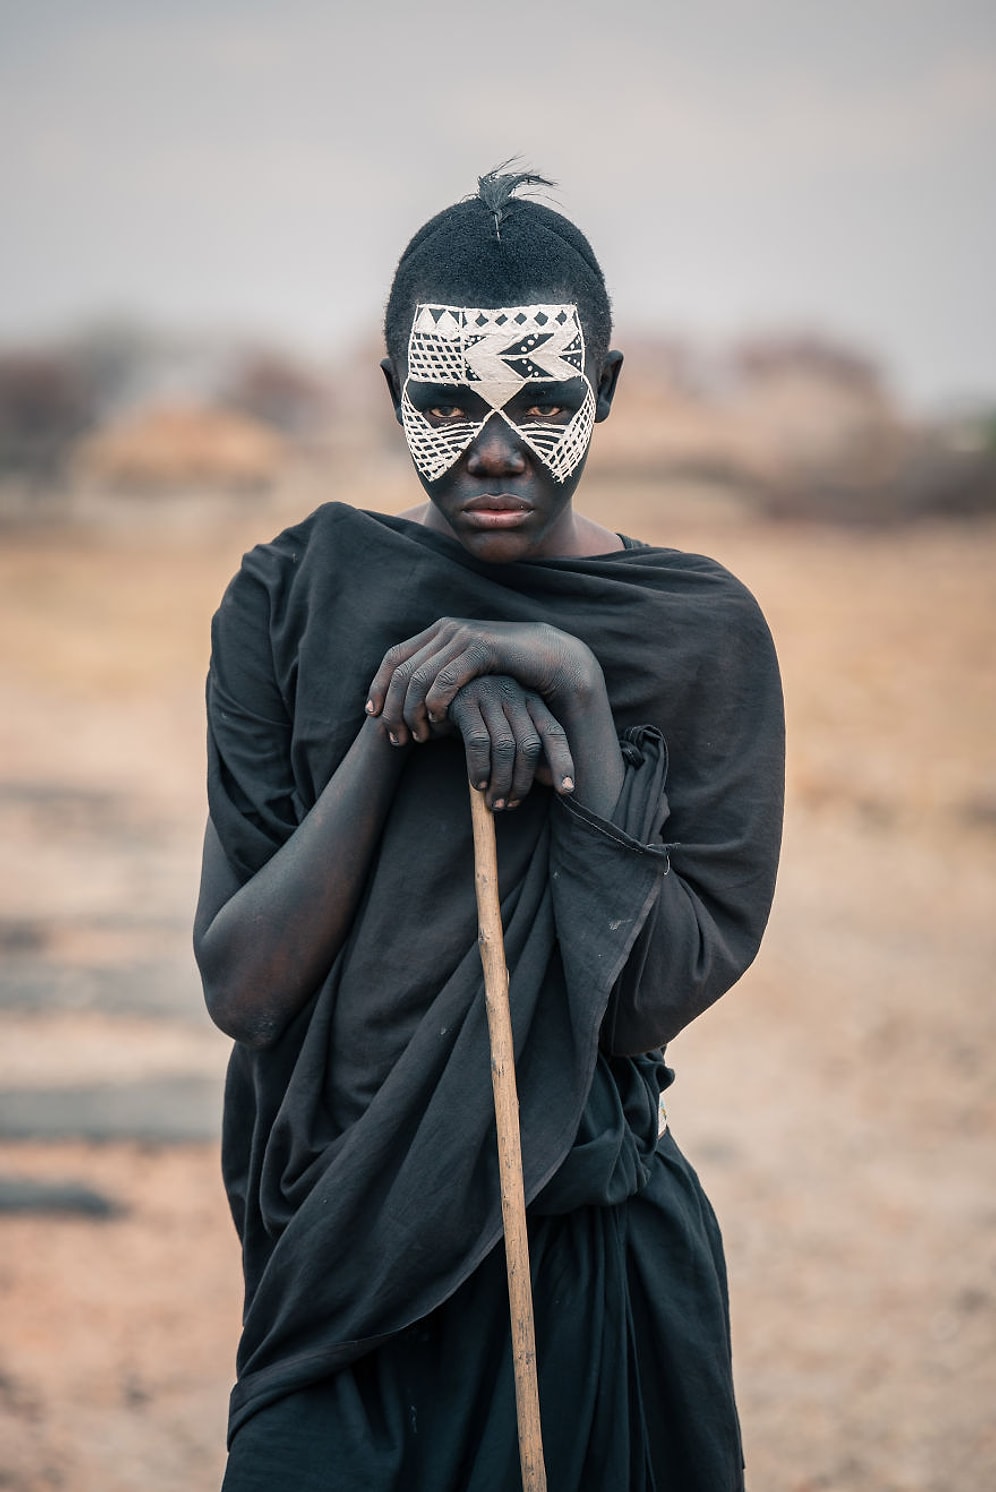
(393, 384)
(607, 380)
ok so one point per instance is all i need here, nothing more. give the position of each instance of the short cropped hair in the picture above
(499, 249)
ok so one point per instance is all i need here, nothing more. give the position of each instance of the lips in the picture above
(502, 502)
(496, 511)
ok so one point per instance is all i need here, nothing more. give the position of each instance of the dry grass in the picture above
(839, 1104)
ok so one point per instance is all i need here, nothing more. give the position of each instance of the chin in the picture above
(497, 548)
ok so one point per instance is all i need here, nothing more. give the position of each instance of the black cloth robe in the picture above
(359, 1150)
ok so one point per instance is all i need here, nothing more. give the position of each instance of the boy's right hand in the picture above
(511, 740)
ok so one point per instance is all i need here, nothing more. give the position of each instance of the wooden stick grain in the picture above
(513, 1202)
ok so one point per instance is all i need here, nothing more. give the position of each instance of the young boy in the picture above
(620, 704)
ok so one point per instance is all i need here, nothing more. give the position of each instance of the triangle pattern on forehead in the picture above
(502, 362)
(495, 351)
(497, 386)
(438, 321)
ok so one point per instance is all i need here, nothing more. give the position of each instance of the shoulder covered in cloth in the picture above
(358, 1151)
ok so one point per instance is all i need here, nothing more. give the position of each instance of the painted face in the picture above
(496, 354)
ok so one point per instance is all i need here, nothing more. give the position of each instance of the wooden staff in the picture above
(513, 1201)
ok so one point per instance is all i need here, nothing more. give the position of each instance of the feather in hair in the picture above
(498, 187)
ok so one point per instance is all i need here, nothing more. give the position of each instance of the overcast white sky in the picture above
(737, 165)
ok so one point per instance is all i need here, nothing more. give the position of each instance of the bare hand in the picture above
(419, 679)
(511, 740)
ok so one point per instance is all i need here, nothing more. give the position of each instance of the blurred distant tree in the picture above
(280, 392)
(114, 357)
(989, 431)
(46, 402)
(774, 356)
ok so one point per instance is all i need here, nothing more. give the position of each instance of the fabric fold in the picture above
(359, 1151)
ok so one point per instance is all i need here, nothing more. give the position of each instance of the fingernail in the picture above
(369, 706)
(481, 785)
(514, 802)
(433, 719)
(568, 784)
(499, 803)
(392, 738)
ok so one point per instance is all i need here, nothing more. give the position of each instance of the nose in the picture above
(497, 451)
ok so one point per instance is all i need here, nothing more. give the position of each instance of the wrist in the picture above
(580, 688)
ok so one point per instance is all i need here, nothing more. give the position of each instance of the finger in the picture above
(465, 713)
(417, 716)
(473, 660)
(392, 696)
(393, 658)
(421, 668)
(491, 703)
(528, 746)
(555, 745)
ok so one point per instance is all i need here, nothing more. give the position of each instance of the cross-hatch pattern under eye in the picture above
(496, 354)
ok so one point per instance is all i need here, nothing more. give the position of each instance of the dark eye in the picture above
(544, 411)
(445, 412)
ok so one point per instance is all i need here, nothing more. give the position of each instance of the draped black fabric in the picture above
(359, 1151)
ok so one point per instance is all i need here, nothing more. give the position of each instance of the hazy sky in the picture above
(737, 165)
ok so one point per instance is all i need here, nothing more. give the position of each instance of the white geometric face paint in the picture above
(495, 354)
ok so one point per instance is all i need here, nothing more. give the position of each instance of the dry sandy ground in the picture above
(839, 1105)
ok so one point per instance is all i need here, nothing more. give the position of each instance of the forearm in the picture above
(591, 731)
(690, 951)
(672, 922)
(264, 951)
